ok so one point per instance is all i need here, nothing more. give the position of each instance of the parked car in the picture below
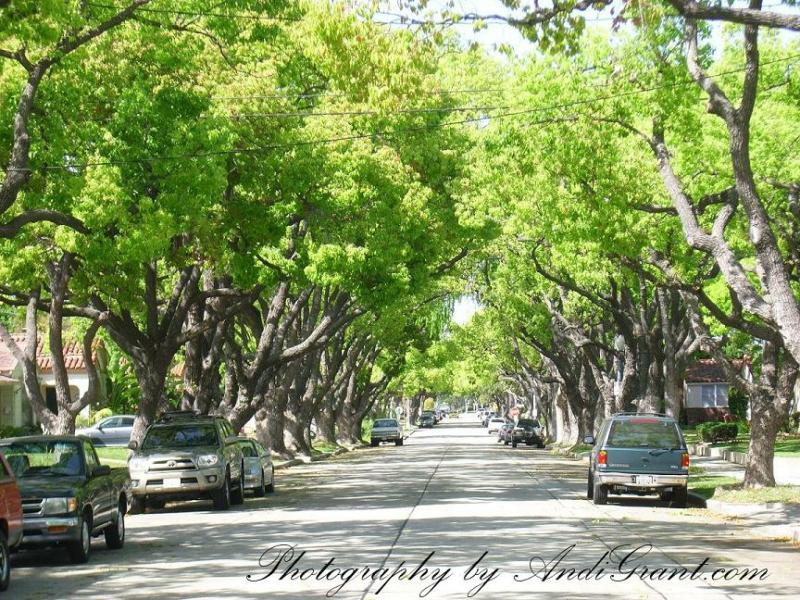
(427, 420)
(10, 520)
(527, 431)
(259, 473)
(68, 497)
(111, 431)
(638, 453)
(186, 456)
(495, 423)
(504, 433)
(386, 430)
(488, 417)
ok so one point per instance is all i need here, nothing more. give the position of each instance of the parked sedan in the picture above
(427, 420)
(504, 434)
(259, 473)
(495, 423)
(111, 431)
(11, 517)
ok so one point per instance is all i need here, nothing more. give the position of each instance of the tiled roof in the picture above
(73, 355)
(708, 370)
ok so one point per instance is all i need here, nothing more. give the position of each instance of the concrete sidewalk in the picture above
(772, 519)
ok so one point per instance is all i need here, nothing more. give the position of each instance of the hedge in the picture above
(717, 432)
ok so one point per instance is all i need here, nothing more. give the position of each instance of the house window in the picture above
(715, 395)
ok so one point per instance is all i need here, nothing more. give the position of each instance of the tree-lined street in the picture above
(452, 490)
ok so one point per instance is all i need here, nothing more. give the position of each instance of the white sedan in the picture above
(495, 423)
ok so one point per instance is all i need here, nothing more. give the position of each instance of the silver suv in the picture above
(186, 456)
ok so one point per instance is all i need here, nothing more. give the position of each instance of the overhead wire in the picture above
(429, 127)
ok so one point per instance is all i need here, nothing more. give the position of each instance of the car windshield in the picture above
(644, 433)
(528, 423)
(385, 423)
(498, 421)
(185, 435)
(44, 458)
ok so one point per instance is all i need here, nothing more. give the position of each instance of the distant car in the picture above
(504, 433)
(427, 421)
(527, 431)
(10, 520)
(488, 417)
(386, 430)
(495, 423)
(638, 453)
(111, 431)
(259, 473)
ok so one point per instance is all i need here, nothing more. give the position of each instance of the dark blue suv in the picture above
(639, 453)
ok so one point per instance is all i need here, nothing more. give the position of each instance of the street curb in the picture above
(746, 511)
(723, 452)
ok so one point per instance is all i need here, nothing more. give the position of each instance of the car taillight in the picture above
(602, 457)
(685, 460)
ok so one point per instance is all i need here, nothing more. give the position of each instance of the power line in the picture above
(191, 13)
(415, 129)
(301, 95)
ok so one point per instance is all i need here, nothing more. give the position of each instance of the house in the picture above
(15, 411)
(706, 389)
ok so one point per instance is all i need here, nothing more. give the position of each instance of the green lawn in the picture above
(789, 446)
(787, 494)
(728, 489)
(706, 485)
(112, 456)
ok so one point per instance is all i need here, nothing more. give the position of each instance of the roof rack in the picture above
(654, 414)
(172, 415)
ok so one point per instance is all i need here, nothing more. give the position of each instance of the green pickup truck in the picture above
(68, 497)
(641, 454)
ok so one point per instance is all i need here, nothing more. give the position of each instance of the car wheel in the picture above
(398, 442)
(261, 490)
(600, 493)
(514, 444)
(271, 486)
(590, 486)
(680, 496)
(156, 504)
(115, 533)
(5, 563)
(540, 445)
(373, 443)
(665, 496)
(80, 549)
(137, 505)
(222, 496)
(237, 495)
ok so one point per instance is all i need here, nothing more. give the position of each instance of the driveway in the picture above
(494, 522)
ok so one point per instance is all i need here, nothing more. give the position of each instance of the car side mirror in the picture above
(101, 470)
(133, 445)
(589, 439)
(99, 428)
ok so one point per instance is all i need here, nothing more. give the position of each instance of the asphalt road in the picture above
(451, 491)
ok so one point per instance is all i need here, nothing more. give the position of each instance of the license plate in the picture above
(172, 482)
(644, 480)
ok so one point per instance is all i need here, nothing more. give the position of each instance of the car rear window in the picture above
(385, 423)
(181, 436)
(528, 423)
(643, 433)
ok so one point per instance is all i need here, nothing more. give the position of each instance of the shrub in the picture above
(9, 431)
(715, 432)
